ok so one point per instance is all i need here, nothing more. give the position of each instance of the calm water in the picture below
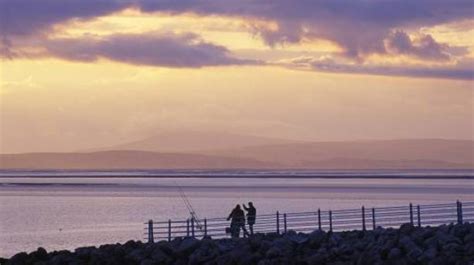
(64, 214)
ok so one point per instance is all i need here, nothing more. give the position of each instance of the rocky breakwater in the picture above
(443, 245)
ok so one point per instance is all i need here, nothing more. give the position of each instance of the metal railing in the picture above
(337, 220)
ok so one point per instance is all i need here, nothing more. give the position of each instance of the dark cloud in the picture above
(6, 49)
(463, 70)
(171, 50)
(360, 27)
(426, 47)
(26, 17)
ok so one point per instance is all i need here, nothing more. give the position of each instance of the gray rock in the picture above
(61, 257)
(469, 238)
(159, 256)
(394, 253)
(406, 229)
(469, 249)
(84, 252)
(225, 246)
(147, 262)
(366, 258)
(316, 238)
(432, 246)
(136, 255)
(452, 249)
(446, 238)
(39, 255)
(296, 238)
(428, 255)
(406, 244)
(414, 254)
(18, 259)
(187, 246)
(273, 252)
(319, 258)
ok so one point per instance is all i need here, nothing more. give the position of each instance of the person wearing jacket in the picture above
(251, 216)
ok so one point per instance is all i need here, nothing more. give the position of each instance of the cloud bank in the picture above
(360, 28)
(170, 50)
(463, 70)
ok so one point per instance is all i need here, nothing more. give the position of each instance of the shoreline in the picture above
(249, 177)
(244, 173)
(444, 244)
(243, 176)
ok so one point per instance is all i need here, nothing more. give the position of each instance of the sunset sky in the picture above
(77, 74)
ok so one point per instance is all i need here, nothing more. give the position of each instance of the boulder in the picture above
(17, 259)
(159, 256)
(136, 255)
(448, 244)
(394, 253)
(316, 238)
(39, 255)
(187, 246)
(406, 229)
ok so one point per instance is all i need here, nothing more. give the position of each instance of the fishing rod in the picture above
(189, 206)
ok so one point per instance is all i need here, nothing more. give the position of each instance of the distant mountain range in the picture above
(191, 141)
(202, 150)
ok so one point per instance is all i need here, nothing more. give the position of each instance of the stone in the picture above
(18, 259)
(394, 253)
(187, 246)
(159, 256)
(469, 238)
(442, 245)
(316, 238)
(414, 254)
(273, 252)
(406, 229)
(147, 262)
(428, 255)
(136, 255)
(39, 254)
(85, 252)
(316, 259)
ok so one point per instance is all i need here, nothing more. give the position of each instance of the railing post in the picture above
(419, 215)
(205, 227)
(150, 231)
(330, 220)
(169, 230)
(411, 213)
(373, 219)
(319, 219)
(278, 222)
(459, 211)
(284, 222)
(187, 227)
(363, 218)
(192, 226)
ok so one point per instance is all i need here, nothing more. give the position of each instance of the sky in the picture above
(78, 74)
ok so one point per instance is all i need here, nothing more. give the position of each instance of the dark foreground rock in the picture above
(443, 245)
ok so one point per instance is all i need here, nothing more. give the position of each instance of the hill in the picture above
(123, 160)
(192, 141)
(418, 153)
(389, 154)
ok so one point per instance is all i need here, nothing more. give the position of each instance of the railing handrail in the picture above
(341, 219)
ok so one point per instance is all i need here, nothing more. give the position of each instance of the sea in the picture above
(70, 209)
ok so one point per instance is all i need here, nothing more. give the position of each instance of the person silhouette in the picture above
(238, 221)
(251, 216)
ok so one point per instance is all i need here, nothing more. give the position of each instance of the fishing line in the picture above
(189, 206)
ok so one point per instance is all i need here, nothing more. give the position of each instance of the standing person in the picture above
(251, 216)
(238, 221)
